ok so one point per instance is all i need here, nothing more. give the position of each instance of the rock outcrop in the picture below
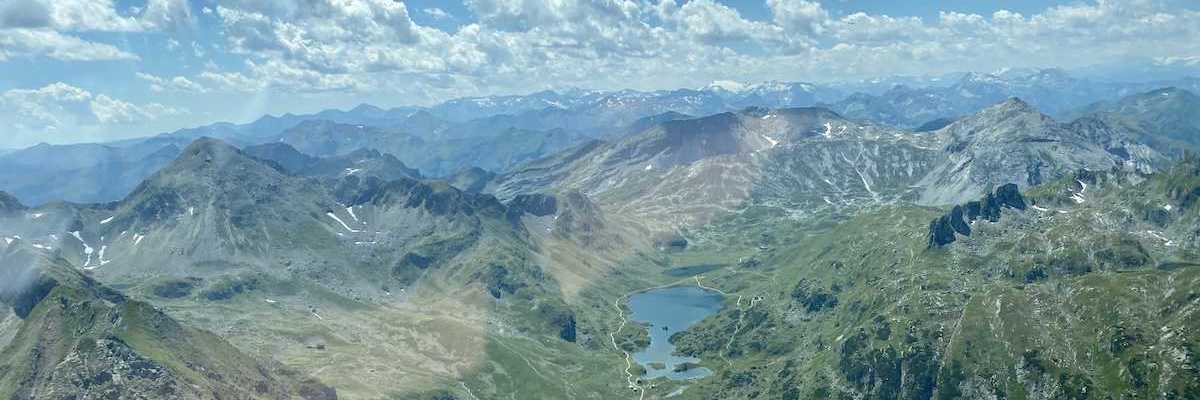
(10, 204)
(536, 204)
(943, 230)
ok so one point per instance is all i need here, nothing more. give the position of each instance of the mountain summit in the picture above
(1011, 142)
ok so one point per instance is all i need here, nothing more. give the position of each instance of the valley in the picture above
(737, 250)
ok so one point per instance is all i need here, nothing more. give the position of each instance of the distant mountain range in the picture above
(1052, 91)
(500, 132)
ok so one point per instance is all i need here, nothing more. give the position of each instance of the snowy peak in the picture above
(727, 86)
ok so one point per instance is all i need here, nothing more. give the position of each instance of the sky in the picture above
(94, 70)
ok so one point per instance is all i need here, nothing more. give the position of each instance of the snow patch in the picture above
(729, 86)
(1159, 236)
(339, 220)
(87, 250)
(107, 220)
(101, 258)
(352, 171)
(1039, 208)
(37, 215)
(350, 210)
(1167, 207)
(649, 167)
(137, 238)
(773, 142)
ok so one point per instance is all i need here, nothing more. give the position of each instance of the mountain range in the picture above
(487, 248)
(498, 133)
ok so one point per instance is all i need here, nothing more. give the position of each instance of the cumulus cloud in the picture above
(167, 15)
(1191, 61)
(802, 16)
(331, 36)
(24, 14)
(524, 45)
(93, 15)
(24, 42)
(436, 13)
(44, 28)
(61, 109)
(175, 84)
(232, 81)
(68, 15)
(715, 24)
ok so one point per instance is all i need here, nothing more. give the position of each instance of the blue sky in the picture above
(88, 70)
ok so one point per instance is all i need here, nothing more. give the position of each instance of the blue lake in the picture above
(675, 308)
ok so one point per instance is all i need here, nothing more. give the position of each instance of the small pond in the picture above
(675, 309)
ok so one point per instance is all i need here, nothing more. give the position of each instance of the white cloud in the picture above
(94, 15)
(45, 28)
(176, 84)
(1191, 61)
(67, 15)
(715, 24)
(436, 13)
(22, 42)
(62, 109)
(24, 14)
(802, 16)
(108, 110)
(167, 15)
(523, 45)
(232, 81)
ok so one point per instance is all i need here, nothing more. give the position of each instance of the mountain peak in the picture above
(1015, 102)
(727, 86)
(208, 149)
(216, 160)
(9, 203)
(366, 108)
(1012, 105)
(1003, 121)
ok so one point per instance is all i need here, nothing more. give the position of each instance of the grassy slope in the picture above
(82, 338)
(1110, 311)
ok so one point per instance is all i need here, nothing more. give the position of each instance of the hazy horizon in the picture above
(85, 71)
